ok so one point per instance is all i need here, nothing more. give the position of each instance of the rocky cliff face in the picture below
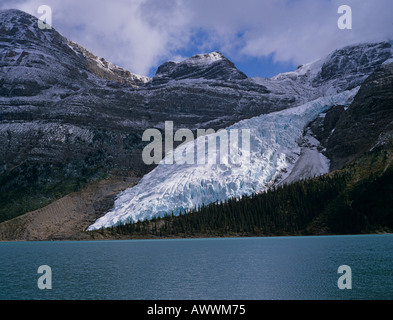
(347, 133)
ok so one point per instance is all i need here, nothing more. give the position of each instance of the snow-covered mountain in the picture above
(202, 66)
(67, 116)
(282, 150)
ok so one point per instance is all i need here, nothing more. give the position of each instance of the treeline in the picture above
(357, 199)
(286, 209)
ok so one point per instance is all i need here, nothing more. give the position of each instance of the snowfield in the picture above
(276, 155)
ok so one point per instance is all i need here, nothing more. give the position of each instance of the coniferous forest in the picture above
(356, 199)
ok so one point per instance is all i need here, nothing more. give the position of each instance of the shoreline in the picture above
(213, 237)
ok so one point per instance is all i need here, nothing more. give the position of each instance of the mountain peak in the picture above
(206, 58)
(349, 67)
(13, 12)
(10, 18)
(21, 26)
(25, 46)
(210, 66)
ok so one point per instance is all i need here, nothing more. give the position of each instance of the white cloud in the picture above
(139, 34)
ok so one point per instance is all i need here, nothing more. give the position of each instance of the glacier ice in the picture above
(275, 150)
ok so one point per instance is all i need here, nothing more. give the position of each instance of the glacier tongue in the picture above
(275, 150)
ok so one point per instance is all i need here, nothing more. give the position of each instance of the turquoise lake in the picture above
(278, 268)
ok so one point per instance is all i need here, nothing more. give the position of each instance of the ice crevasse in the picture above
(175, 188)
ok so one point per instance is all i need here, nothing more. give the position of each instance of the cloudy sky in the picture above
(262, 37)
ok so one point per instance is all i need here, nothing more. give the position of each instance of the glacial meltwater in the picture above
(278, 268)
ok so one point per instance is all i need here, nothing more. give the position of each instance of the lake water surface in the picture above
(283, 268)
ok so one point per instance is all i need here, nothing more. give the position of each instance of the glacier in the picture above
(275, 155)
